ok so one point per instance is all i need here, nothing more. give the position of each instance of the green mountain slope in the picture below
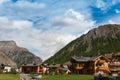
(101, 40)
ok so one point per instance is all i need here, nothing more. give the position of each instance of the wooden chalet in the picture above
(54, 68)
(89, 65)
(58, 69)
(114, 63)
(32, 68)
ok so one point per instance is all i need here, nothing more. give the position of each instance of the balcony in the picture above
(79, 67)
(115, 69)
(114, 64)
(103, 68)
(102, 61)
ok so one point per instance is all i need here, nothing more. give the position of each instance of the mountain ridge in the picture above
(101, 40)
(18, 54)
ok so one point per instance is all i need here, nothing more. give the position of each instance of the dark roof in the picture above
(84, 59)
(54, 65)
(30, 65)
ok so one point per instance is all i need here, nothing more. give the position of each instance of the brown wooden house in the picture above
(54, 68)
(58, 69)
(31, 68)
(114, 63)
(89, 65)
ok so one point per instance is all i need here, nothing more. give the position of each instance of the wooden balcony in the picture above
(102, 61)
(113, 64)
(103, 68)
(79, 67)
(115, 69)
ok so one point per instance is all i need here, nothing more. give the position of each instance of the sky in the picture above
(46, 26)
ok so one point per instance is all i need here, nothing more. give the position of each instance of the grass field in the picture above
(67, 77)
(49, 77)
(9, 77)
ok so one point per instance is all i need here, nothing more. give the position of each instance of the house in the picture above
(65, 69)
(89, 65)
(7, 68)
(32, 68)
(114, 63)
(54, 68)
(58, 69)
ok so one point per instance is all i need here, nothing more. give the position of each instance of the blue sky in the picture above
(45, 26)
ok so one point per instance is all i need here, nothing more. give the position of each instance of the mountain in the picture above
(101, 40)
(18, 54)
(4, 59)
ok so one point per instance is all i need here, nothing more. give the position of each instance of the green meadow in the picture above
(67, 77)
(9, 77)
(49, 77)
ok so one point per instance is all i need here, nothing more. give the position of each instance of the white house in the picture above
(7, 69)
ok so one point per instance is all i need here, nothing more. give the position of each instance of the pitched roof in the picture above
(54, 65)
(30, 65)
(84, 59)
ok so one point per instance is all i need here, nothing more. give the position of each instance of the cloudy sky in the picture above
(45, 26)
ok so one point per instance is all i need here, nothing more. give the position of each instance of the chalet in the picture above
(54, 68)
(58, 69)
(89, 65)
(32, 68)
(114, 63)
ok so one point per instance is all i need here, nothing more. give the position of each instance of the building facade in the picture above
(90, 65)
(30, 68)
(114, 63)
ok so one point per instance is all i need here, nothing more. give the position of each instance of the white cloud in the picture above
(63, 29)
(22, 24)
(101, 4)
(105, 5)
(76, 15)
(117, 11)
(3, 1)
(114, 21)
(43, 44)
(21, 9)
(27, 4)
(111, 22)
(5, 23)
(72, 21)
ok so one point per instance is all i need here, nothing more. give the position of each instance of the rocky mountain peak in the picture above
(18, 54)
(103, 31)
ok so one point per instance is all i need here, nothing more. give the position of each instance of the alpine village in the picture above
(96, 53)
